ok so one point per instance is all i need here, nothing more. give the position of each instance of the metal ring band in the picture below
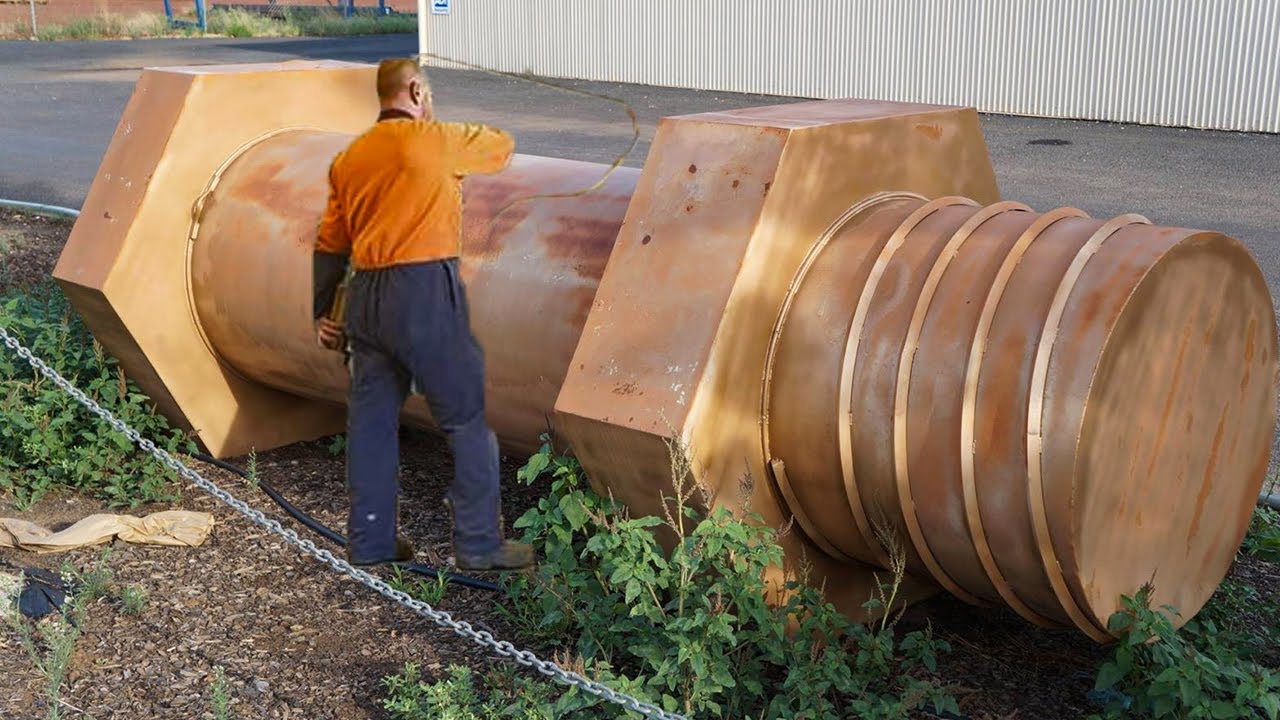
(1035, 411)
(903, 390)
(845, 417)
(776, 466)
(968, 451)
(197, 214)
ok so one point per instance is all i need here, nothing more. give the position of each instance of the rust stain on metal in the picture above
(1206, 482)
(482, 232)
(583, 242)
(1171, 395)
(933, 132)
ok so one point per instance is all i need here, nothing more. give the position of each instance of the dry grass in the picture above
(221, 23)
(239, 23)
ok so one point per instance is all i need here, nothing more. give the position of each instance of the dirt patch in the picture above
(296, 639)
(29, 247)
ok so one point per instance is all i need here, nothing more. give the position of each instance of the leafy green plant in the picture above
(1157, 672)
(456, 697)
(1263, 538)
(430, 592)
(93, 583)
(1240, 618)
(133, 600)
(221, 694)
(337, 445)
(689, 627)
(47, 440)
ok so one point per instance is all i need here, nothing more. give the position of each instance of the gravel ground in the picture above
(295, 638)
(29, 246)
(300, 641)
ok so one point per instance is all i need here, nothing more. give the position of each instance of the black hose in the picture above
(337, 538)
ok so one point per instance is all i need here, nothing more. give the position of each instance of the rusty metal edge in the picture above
(1073, 582)
(968, 457)
(1035, 410)
(844, 421)
(777, 466)
(906, 362)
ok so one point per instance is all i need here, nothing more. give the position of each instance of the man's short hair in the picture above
(394, 76)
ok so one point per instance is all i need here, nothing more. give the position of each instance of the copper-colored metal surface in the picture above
(799, 372)
(926, 381)
(726, 211)
(531, 275)
(124, 264)
(827, 301)
(999, 505)
(877, 337)
(1005, 498)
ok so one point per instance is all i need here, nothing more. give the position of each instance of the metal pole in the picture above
(1271, 500)
(33, 17)
(200, 15)
(422, 32)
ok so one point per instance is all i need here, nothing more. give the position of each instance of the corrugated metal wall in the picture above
(1193, 63)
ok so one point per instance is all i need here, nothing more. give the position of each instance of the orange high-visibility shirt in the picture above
(395, 193)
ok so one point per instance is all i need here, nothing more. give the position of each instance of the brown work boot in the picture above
(404, 553)
(508, 556)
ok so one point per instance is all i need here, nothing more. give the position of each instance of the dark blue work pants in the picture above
(408, 328)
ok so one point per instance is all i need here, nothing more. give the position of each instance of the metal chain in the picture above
(439, 617)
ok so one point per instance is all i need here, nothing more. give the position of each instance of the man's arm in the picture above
(333, 246)
(477, 149)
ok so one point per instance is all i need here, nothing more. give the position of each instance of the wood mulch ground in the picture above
(298, 640)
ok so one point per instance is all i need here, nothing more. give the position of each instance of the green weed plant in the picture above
(49, 645)
(47, 440)
(460, 696)
(221, 694)
(686, 625)
(228, 22)
(1156, 671)
(430, 592)
(1263, 538)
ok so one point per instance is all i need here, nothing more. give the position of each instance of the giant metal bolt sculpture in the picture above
(1043, 410)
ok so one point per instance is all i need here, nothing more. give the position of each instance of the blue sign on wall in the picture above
(440, 7)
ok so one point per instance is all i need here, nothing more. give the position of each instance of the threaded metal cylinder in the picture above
(1039, 410)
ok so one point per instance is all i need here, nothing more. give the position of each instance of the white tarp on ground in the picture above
(170, 527)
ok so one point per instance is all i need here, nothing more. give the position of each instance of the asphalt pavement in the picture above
(60, 102)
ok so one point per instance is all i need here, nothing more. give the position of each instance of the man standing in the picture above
(394, 212)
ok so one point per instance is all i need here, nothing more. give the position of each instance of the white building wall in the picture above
(1187, 63)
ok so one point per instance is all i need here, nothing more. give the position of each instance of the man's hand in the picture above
(329, 334)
